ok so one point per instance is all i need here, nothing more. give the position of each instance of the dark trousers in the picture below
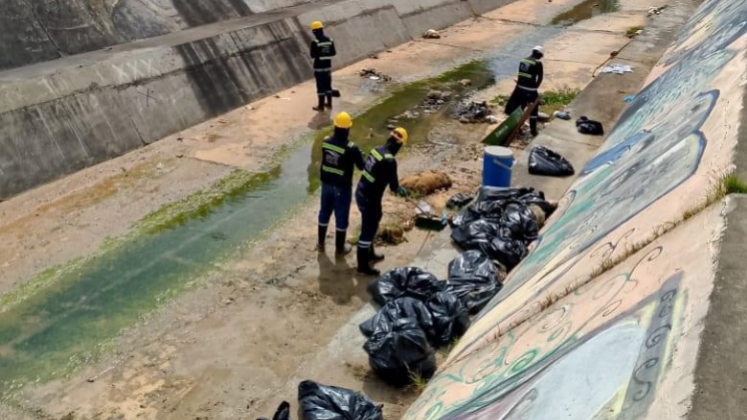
(335, 200)
(522, 98)
(371, 215)
(323, 82)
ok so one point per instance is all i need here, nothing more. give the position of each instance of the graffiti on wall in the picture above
(658, 144)
(603, 352)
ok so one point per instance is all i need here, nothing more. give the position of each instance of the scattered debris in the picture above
(491, 119)
(629, 98)
(656, 10)
(543, 161)
(426, 183)
(434, 100)
(320, 402)
(431, 34)
(543, 117)
(391, 234)
(587, 126)
(459, 200)
(563, 115)
(180, 155)
(617, 69)
(472, 112)
(373, 57)
(408, 115)
(373, 74)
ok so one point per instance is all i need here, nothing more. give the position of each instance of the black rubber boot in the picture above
(329, 101)
(320, 106)
(374, 256)
(364, 265)
(341, 247)
(533, 127)
(322, 237)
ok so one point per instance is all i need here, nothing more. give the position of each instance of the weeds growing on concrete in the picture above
(418, 382)
(633, 31)
(556, 100)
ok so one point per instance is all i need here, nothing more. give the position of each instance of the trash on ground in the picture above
(474, 279)
(471, 112)
(431, 222)
(450, 317)
(563, 115)
(391, 234)
(491, 119)
(405, 307)
(431, 34)
(426, 183)
(434, 100)
(459, 200)
(653, 10)
(500, 223)
(617, 69)
(587, 126)
(282, 413)
(543, 161)
(320, 402)
(374, 75)
(543, 117)
(400, 352)
(629, 98)
(404, 282)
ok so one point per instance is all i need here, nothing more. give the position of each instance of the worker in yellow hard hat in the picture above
(322, 51)
(340, 156)
(380, 171)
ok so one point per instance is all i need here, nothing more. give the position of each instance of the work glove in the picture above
(403, 192)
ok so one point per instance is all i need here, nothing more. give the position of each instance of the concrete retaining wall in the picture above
(606, 316)
(61, 116)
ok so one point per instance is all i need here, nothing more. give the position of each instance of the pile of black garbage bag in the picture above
(321, 402)
(420, 313)
(501, 223)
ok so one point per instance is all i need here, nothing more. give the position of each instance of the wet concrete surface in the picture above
(208, 250)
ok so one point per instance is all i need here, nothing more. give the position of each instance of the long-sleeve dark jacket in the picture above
(531, 73)
(340, 157)
(322, 51)
(379, 172)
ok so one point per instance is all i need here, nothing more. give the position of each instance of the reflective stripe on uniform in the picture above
(375, 153)
(528, 61)
(323, 44)
(324, 58)
(527, 88)
(333, 148)
(368, 176)
(328, 70)
(526, 75)
(333, 170)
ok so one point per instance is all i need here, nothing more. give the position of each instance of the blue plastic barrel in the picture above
(497, 164)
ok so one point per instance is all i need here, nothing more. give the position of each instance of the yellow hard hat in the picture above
(343, 120)
(317, 24)
(400, 134)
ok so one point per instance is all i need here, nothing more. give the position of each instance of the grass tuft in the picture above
(633, 31)
(418, 382)
(557, 100)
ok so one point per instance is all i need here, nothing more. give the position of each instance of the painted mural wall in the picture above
(623, 346)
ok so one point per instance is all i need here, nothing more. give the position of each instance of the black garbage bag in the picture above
(464, 217)
(505, 250)
(587, 126)
(450, 317)
(400, 352)
(538, 199)
(405, 307)
(282, 413)
(320, 402)
(473, 278)
(458, 201)
(472, 235)
(543, 161)
(520, 221)
(404, 282)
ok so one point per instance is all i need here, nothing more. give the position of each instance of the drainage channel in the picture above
(49, 332)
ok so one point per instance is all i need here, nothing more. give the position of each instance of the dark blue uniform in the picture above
(379, 172)
(339, 159)
(322, 51)
(528, 81)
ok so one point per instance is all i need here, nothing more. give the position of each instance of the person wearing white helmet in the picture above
(528, 82)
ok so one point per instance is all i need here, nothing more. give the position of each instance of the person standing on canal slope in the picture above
(340, 156)
(322, 51)
(528, 82)
(379, 172)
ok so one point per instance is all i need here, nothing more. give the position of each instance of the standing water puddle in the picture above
(47, 332)
(586, 10)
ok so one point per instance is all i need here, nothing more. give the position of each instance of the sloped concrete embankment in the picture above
(627, 306)
(61, 116)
